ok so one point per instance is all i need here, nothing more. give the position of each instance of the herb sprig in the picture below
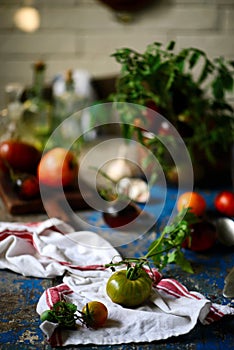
(166, 249)
(63, 313)
(66, 315)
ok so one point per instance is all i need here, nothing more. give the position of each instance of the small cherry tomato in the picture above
(94, 314)
(47, 315)
(129, 292)
(116, 218)
(192, 200)
(203, 237)
(27, 186)
(224, 203)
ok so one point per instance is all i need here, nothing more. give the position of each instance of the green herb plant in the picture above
(187, 88)
(166, 249)
(63, 313)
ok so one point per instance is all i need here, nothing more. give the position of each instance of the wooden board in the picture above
(18, 206)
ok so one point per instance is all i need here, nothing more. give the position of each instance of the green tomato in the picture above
(129, 292)
(47, 315)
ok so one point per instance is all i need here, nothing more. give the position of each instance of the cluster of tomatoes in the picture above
(26, 166)
(203, 233)
(93, 315)
(129, 288)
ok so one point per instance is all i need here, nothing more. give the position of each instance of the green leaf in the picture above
(172, 257)
(71, 307)
(171, 45)
(194, 58)
(155, 64)
(207, 69)
(227, 81)
(180, 62)
(167, 248)
(217, 88)
(181, 261)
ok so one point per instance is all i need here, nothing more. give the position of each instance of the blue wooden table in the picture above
(19, 325)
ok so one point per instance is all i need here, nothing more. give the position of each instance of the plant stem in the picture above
(104, 175)
(152, 251)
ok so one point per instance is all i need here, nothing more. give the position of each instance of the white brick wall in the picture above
(84, 33)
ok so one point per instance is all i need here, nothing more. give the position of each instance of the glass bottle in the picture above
(67, 101)
(38, 107)
(11, 116)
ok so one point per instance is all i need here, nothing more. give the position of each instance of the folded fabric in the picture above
(49, 248)
(171, 311)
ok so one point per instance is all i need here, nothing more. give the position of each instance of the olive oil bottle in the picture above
(38, 108)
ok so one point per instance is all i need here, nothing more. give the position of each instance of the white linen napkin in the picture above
(51, 248)
(171, 311)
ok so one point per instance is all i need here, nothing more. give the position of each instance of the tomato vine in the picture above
(166, 249)
(66, 314)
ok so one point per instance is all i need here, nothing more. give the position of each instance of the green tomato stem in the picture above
(153, 251)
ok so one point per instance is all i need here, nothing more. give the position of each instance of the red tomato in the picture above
(20, 156)
(27, 186)
(58, 166)
(192, 200)
(203, 237)
(3, 167)
(116, 218)
(224, 203)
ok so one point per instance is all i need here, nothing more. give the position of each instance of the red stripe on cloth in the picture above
(56, 338)
(213, 315)
(82, 268)
(217, 311)
(55, 294)
(33, 224)
(25, 235)
(155, 275)
(173, 287)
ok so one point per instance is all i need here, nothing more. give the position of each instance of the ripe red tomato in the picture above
(192, 200)
(58, 166)
(94, 314)
(116, 218)
(203, 237)
(224, 203)
(3, 167)
(20, 156)
(27, 186)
